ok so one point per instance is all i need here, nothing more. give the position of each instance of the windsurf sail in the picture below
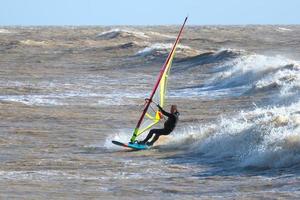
(151, 114)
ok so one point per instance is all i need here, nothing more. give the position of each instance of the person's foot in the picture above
(140, 142)
(149, 143)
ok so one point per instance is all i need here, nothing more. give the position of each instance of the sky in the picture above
(148, 12)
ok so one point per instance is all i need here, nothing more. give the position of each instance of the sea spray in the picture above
(264, 137)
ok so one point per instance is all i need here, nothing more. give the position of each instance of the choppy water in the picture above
(66, 92)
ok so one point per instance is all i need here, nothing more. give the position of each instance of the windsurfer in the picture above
(169, 125)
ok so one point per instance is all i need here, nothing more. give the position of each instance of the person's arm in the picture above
(163, 111)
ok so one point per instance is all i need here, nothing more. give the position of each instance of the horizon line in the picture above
(94, 25)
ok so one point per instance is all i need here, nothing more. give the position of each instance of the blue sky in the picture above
(148, 12)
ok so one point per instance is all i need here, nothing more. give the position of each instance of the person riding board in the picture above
(169, 125)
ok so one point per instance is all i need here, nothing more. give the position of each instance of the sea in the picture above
(66, 92)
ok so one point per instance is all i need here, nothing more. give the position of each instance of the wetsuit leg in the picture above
(149, 136)
(154, 139)
(158, 133)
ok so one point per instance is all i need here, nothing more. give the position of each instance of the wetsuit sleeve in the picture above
(164, 112)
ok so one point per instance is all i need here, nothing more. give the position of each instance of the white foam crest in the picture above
(40, 100)
(113, 33)
(4, 31)
(34, 175)
(264, 137)
(46, 99)
(247, 70)
(42, 175)
(282, 29)
(206, 92)
(162, 48)
(123, 135)
(162, 35)
(34, 43)
(187, 137)
(250, 66)
(288, 80)
(103, 98)
(233, 50)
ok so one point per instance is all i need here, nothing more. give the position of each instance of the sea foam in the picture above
(114, 33)
(265, 137)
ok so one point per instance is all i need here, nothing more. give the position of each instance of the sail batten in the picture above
(150, 117)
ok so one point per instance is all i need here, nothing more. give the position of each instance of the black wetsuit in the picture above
(168, 127)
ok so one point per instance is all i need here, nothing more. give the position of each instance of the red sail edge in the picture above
(157, 82)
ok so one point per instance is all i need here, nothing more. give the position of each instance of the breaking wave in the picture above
(285, 80)
(4, 31)
(126, 33)
(236, 73)
(158, 49)
(161, 35)
(247, 70)
(282, 29)
(264, 138)
(121, 33)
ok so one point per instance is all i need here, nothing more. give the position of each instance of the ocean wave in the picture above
(286, 80)
(158, 49)
(34, 43)
(124, 33)
(246, 70)
(5, 31)
(76, 98)
(121, 33)
(282, 29)
(236, 73)
(161, 35)
(40, 100)
(9, 45)
(128, 45)
(211, 58)
(122, 136)
(263, 138)
(21, 175)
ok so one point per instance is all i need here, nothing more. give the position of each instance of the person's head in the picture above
(173, 108)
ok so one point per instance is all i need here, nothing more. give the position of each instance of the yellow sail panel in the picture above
(160, 95)
(164, 81)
